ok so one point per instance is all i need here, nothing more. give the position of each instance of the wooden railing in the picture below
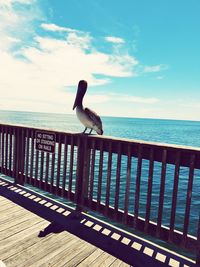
(148, 186)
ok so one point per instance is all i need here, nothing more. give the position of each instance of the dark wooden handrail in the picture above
(90, 171)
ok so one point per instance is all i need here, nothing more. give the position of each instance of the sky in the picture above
(141, 58)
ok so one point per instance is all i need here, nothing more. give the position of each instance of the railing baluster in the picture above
(137, 190)
(3, 146)
(118, 173)
(128, 178)
(71, 167)
(52, 172)
(64, 166)
(92, 173)
(6, 150)
(41, 169)
(10, 151)
(174, 197)
(198, 244)
(162, 192)
(0, 148)
(188, 200)
(100, 176)
(79, 171)
(32, 157)
(46, 173)
(36, 167)
(27, 155)
(58, 164)
(149, 193)
(86, 171)
(108, 178)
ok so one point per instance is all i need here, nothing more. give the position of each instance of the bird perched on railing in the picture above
(86, 116)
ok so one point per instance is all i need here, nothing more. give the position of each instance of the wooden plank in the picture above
(149, 192)
(10, 247)
(128, 179)
(137, 190)
(100, 176)
(78, 257)
(108, 178)
(174, 196)
(90, 260)
(30, 255)
(19, 227)
(92, 173)
(119, 263)
(118, 175)
(162, 192)
(52, 257)
(65, 165)
(8, 225)
(188, 200)
(104, 260)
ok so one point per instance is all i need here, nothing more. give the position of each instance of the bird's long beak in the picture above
(82, 87)
(75, 102)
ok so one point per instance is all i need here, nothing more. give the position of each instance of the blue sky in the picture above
(140, 58)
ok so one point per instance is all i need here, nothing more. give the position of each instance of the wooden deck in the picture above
(38, 231)
(21, 244)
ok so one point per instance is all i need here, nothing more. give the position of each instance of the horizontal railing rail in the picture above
(151, 187)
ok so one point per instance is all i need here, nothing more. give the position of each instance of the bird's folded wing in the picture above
(94, 117)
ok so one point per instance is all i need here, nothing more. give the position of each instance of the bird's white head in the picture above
(82, 88)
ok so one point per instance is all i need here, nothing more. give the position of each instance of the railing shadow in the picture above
(128, 248)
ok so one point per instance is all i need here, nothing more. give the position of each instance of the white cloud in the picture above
(115, 40)
(141, 100)
(133, 99)
(55, 28)
(155, 68)
(10, 2)
(35, 76)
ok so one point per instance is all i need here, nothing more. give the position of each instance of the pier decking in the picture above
(38, 231)
(27, 239)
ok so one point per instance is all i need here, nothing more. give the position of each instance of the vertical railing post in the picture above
(198, 245)
(83, 161)
(19, 154)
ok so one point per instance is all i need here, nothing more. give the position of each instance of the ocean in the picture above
(185, 133)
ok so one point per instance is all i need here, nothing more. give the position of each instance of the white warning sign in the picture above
(45, 141)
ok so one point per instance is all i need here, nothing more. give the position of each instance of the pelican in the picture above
(86, 116)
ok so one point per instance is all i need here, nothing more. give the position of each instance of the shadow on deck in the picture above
(127, 247)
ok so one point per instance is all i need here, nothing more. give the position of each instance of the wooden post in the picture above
(198, 245)
(19, 156)
(83, 161)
